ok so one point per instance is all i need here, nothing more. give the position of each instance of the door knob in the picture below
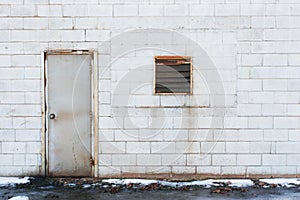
(52, 116)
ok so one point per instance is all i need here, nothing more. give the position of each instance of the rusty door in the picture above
(69, 114)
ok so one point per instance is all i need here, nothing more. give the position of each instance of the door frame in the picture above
(94, 106)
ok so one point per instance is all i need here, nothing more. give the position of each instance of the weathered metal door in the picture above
(69, 114)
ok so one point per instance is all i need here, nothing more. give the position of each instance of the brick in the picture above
(248, 160)
(294, 135)
(12, 1)
(252, 60)
(86, 23)
(7, 136)
(279, 9)
(97, 35)
(202, 10)
(293, 85)
(261, 97)
(6, 122)
(13, 147)
(5, 61)
(276, 135)
(125, 10)
(233, 170)
(74, 10)
(227, 10)
(5, 110)
(33, 97)
(235, 122)
(223, 159)
(208, 170)
(187, 147)
(4, 36)
(60, 23)
(105, 160)
(134, 169)
(250, 35)
(176, 10)
(237, 147)
(105, 171)
(293, 159)
(35, 2)
(183, 170)
(123, 160)
(137, 147)
(286, 122)
(158, 170)
(4, 10)
(253, 9)
(263, 22)
(173, 159)
(293, 110)
(100, 10)
(294, 59)
(24, 10)
(25, 110)
(162, 147)
(72, 35)
(32, 73)
(286, 97)
(274, 160)
(249, 85)
(250, 135)
(274, 110)
(19, 159)
(11, 23)
(6, 160)
(275, 60)
(31, 160)
(175, 135)
(284, 170)
(36, 23)
(213, 147)
(112, 147)
(287, 147)
(249, 110)
(254, 170)
(50, 10)
(33, 147)
(108, 122)
(28, 135)
(25, 60)
(148, 160)
(260, 147)
(287, 22)
(260, 122)
(151, 10)
(199, 160)
(275, 85)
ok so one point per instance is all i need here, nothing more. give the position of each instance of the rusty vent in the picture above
(172, 75)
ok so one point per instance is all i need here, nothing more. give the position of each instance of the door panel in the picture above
(69, 106)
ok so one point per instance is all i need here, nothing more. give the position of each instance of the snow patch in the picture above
(129, 181)
(11, 181)
(19, 198)
(204, 183)
(285, 182)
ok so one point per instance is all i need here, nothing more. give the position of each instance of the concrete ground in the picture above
(200, 194)
(41, 188)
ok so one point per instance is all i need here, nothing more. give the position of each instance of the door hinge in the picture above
(92, 162)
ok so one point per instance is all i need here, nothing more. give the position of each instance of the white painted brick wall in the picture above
(254, 46)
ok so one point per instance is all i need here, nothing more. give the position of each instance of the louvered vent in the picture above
(173, 75)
